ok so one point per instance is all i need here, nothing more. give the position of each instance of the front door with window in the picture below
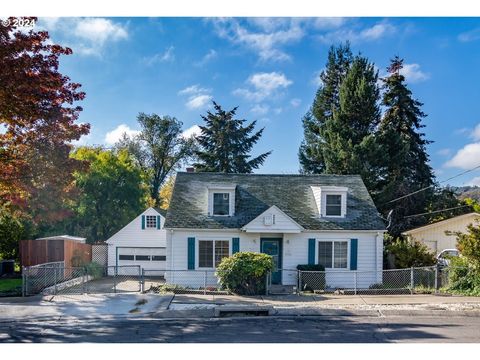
(273, 247)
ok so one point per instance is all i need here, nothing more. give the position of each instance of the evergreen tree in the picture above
(325, 102)
(350, 146)
(407, 169)
(225, 143)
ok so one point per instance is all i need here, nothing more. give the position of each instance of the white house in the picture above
(141, 242)
(298, 219)
(436, 236)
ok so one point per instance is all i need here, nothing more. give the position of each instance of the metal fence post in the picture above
(142, 281)
(355, 277)
(298, 282)
(24, 281)
(436, 279)
(412, 282)
(266, 283)
(115, 280)
(205, 283)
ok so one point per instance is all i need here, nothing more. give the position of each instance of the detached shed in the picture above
(70, 249)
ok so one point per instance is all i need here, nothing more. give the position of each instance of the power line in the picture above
(430, 186)
(436, 211)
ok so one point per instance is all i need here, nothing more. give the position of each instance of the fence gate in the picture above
(56, 279)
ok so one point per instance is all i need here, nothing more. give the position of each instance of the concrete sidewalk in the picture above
(106, 306)
(137, 306)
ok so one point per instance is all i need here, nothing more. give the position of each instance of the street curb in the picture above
(323, 312)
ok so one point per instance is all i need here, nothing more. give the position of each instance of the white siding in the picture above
(436, 239)
(295, 252)
(132, 235)
(283, 223)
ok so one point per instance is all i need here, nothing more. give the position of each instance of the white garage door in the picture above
(147, 258)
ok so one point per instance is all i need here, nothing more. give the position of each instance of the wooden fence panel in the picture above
(74, 253)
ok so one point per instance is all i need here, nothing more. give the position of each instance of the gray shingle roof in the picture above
(255, 193)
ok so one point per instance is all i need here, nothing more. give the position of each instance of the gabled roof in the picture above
(255, 193)
(441, 223)
(162, 212)
(284, 223)
(63, 237)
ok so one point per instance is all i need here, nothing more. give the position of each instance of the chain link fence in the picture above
(202, 282)
(421, 280)
(56, 279)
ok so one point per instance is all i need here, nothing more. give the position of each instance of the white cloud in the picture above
(471, 35)
(474, 182)
(192, 131)
(323, 23)
(295, 102)
(444, 152)
(193, 90)
(116, 134)
(199, 101)
(209, 56)
(413, 73)
(372, 33)
(476, 133)
(167, 56)
(260, 109)
(267, 42)
(466, 158)
(198, 97)
(86, 36)
(263, 86)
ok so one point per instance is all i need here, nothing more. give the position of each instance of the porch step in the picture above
(281, 289)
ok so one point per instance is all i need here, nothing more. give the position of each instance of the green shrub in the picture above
(95, 270)
(463, 278)
(408, 254)
(244, 273)
(311, 267)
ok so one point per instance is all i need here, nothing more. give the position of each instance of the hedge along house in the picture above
(298, 219)
(141, 242)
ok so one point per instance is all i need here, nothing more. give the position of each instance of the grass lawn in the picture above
(7, 285)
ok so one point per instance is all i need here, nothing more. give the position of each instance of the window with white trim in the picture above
(333, 205)
(211, 252)
(221, 203)
(151, 221)
(333, 254)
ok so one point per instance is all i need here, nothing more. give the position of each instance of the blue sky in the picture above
(269, 68)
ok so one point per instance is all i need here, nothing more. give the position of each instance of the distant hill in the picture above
(463, 192)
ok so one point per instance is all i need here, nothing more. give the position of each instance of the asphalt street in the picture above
(320, 329)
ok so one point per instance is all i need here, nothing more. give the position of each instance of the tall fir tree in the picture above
(350, 146)
(407, 169)
(325, 103)
(225, 143)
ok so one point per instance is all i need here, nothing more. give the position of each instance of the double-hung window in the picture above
(333, 206)
(211, 252)
(221, 203)
(333, 254)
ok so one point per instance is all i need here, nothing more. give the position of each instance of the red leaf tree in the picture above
(38, 115)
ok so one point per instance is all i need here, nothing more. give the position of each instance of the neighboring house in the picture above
(141, 242)
(434, 236)
(298, 219)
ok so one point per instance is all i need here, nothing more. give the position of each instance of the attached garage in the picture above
(142, 242)
(148, 258)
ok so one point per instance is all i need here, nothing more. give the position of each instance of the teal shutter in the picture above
(191, 253)
(311, 251)
(158, 222)
(235, 245)
(353, 253)
(143, 222)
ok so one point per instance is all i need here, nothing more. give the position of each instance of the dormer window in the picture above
(331, 200)
(333, 205)
(221, 203)
(221, 200)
